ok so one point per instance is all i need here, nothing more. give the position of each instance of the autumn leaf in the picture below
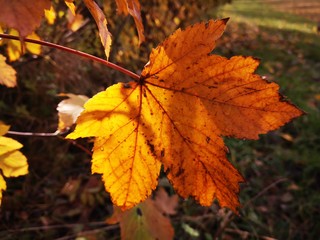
(3, 128)
(7, 73)
(50, 15)
(12, 162)
(101, 22)
(14, 47)
(23, 15)
(165, 203)
(133, 8)
(144, 221)
(186, 100)
(3, 186)
(69, 109)
(71, 6)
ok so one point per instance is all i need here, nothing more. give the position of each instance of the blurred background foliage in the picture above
(60, 199)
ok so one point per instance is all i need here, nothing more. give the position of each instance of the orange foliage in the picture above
(101, 22)
(177, 113)
(23, 15)
(133, 8)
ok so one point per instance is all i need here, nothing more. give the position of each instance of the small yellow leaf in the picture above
(31, 47)
(101, 22)
(7, 73)
(71, 6)
(3, 128)
(50, 15)
(13, 164)
(14, 47)
(8, 145)
(69, 109)
(1, 39)
(3, 186)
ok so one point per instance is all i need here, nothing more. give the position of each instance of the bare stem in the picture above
(54, 134)
(76, 52)
(228, 218)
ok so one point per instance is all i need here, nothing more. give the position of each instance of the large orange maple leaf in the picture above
(175, 115)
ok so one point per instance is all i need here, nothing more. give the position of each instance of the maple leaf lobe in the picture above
(230, 98)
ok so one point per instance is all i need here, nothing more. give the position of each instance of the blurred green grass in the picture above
(289, 48)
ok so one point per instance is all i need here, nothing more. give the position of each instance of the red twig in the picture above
(76, 52)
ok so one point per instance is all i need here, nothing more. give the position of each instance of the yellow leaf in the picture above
(69, 109)
(8, 145)
(7, 73)
(13, 164)
(130, 168)
(31, 47)
(71, 6)
(1, 39)
(101, 22)
(3, 186)
(3, 128)
(14, 47)
(177, 114)
(50, 15)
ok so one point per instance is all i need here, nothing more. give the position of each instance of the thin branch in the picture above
(74, 143)
(245, 234)
(264, 191)
(76, 52)
(230, 215)
(54, 134)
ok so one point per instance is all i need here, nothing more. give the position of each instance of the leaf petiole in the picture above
(76, 52)
(53, 134)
